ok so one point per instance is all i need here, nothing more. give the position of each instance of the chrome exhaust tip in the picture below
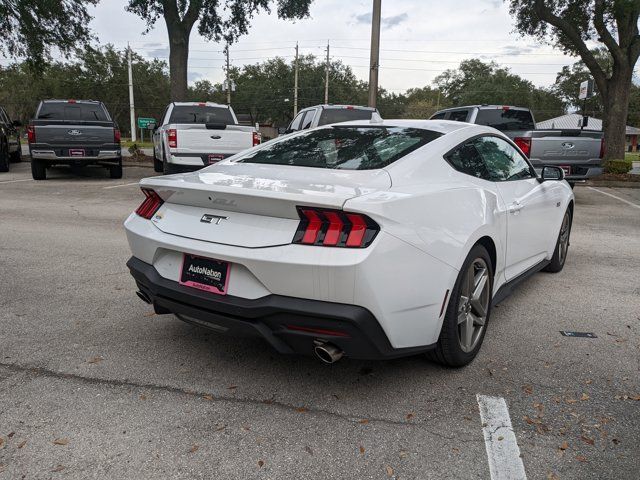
(143, 296)
(327, 352)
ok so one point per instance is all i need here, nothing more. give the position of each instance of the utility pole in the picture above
(374, 62)
(132, 108)
(295, 88)
(326, 79)
(226, 51)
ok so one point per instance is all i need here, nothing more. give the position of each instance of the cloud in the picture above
(386, 22)
(155, 50)
(193, 76)
(515, 50)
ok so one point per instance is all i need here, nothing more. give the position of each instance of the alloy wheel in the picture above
(563, 242)
(473, 304)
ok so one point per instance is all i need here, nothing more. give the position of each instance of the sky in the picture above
(419, 39)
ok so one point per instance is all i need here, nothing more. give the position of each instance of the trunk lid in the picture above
(253, 205)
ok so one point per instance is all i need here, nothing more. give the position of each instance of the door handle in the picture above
(515, 207)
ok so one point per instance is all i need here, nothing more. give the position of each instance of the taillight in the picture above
(31, 134)
(256, 138)
(116, 135)
(602, 148)
(524, 144)
(334, 228)
(172, 135)
(150, 205)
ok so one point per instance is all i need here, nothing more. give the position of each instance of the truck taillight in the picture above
(172, 136)
(602, 148)
(116, 135)
(334, 228)
(256, 138)
(31, 134)
(150, 205)
(524, 144)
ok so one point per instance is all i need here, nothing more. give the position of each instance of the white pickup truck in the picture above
(192, 135)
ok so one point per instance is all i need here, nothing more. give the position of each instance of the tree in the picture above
(215, 22)
(423, 102)
(29, 28)
(571, 25)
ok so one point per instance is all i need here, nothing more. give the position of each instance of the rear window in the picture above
(73, 111)
(201, 114)
(337, 115)
(505, 120)
(347, 148)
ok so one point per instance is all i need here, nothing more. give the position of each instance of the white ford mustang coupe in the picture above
(366, 239)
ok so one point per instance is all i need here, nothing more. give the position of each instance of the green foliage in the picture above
(98, 74)
(475, 82)
(30, 28)
(617, 166)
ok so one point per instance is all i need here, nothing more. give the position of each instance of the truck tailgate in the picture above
(569, 146)
(69, 134)
(224, 139)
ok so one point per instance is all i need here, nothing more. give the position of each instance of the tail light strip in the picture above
(256, 138)
(334, 228)
(31, 134)
(172, 137)
(150, 205)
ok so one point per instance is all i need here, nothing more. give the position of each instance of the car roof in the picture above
(332, 106)
(69, 100)
(484, 106)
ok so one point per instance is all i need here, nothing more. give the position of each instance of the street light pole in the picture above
(228, 78)
(375, 53)
(132, 108)
(326, 79)
(295, 88)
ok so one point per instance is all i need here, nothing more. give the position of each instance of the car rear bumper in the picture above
(51, 156)
(577, 172)
(196, 160)
(288, 324)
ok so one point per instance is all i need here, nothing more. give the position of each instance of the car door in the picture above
(530, 207)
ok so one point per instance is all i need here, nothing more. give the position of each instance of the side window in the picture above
(438, 116)
(467, 159)
(295, 124)
(459, 115)
(503, 161)
(308, 119)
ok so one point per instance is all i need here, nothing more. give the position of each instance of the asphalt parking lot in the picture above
(93, 384)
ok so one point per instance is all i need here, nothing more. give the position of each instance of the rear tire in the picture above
(115, 171)
(468, 312)
(4, 158)
(562, 245)
(157, 164)
(38, 169)
(16, 157)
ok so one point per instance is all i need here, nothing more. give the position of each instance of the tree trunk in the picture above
(616, 107)
(178, 61)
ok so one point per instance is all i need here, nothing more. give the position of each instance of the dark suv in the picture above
(9, 141)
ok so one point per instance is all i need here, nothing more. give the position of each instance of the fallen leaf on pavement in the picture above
(308, 450)
(1, 442)
(635, 397)
(194, 449)
(389, 471)
(584, 397)
(587, 440)
(232, 387)
(10, 435)
(302, 410)
(528, 389)
(361, 450)
(409, 416)
(61, 441)
(589, 382)
(22, 444)
(581, 458)
(260, 463)
(58, 468)
(552, 476)
(500, 438)
(364, 421)
(564, 446)
(149, 314)
(208, 397)
(143, 397)
(95, 360)
(402, 454)
(571, 400)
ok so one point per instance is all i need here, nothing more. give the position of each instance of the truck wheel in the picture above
(38, 169)
(157, 164)
(16, 156)
(4, 158)
(115, 171)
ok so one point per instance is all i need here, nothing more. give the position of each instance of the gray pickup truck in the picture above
(578, 152)
(74, 133)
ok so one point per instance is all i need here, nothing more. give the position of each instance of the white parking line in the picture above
(121, 185)
(616, 197)
(500, 441)
(21, 180)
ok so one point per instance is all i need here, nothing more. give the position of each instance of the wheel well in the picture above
(571, 207)
(487, 243)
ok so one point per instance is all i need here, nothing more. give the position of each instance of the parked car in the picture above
(513, 121)
(365, 239)
(318, 115)
(578, 152)
(192, 135)
(74, 133)
(10, 148)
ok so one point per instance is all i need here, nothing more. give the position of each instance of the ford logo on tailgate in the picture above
(567, 145)
(74, 132)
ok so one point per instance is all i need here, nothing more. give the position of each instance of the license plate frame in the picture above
(214, 158)
(566, 168)
(77, 152)
(204, 273)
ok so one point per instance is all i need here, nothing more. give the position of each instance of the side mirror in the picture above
(551, 172)
(17, 123)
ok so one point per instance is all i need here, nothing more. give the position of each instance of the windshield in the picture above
(201, 114)
(343, 147)
(72, 111)
(337, 115)
(506, 119)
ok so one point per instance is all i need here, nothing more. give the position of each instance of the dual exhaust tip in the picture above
(326, 352)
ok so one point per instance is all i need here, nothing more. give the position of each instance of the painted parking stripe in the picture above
(500, 440)
(616, 197)
(21, 180)
(121, 185)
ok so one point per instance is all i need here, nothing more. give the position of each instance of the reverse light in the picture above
(602, 148)
(256, 138)
(150, 205)
(524, 144)
(334, 228)
(31, 134)
(172, 136)
(116, 135)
